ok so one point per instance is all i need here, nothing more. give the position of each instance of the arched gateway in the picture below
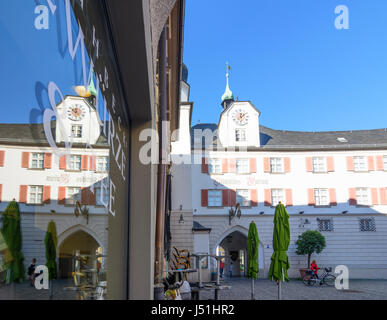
(233, 243)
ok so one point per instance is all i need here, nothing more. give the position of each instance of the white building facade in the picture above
(333, 182)
(47, 186)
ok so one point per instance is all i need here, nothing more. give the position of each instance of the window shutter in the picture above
(1, 191)
(233, 165)
(46, 194)
(2, 154)
(350, 164)
(311, 201)
(84, 161)
(62, 163)
(309, 164)
(25, 159)
(267, 197)
(232, 198)
(253, 165)
(23, 194)
(61, 195)
(224, 165)
(204, 165)
(204, 198)
(352, 197)
(225, 198)
(374, 196)
(332, 197)
(93, 163)
(289, 197)
(253, 197)
(266, 164)
(379, 163)
(47, 160)
(371, 164)
(287, 164)
(330, 164)
(85, 195)
(92, 197)
(383, 195)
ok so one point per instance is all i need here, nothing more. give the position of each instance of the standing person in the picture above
(230, 268)
(221, 267)
(31, 272)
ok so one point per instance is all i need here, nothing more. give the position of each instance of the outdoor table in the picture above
(196, 290)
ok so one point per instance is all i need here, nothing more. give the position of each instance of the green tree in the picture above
(311, 241)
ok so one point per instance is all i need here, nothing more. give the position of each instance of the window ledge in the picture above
(35, 204)
(36, 169)
(68, 170)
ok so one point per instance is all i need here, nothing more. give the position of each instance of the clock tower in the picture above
(78, 121)
(239, 121)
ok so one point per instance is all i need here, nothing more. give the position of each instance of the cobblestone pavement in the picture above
(296, 290)
(240, 290)
(23, 291)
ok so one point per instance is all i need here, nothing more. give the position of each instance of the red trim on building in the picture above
(25, 159)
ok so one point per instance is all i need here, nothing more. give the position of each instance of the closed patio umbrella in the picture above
(281, 237)
(11, 232)
(252, 247)
(50, 241)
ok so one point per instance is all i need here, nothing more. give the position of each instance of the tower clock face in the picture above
(76, 112)
(240, 117)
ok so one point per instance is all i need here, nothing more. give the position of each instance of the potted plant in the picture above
(311, 241)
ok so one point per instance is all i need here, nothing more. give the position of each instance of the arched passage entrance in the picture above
(234, 244)
(78, 241)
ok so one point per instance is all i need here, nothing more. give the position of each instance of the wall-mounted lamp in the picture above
(181, 220)
(345, 212)
(52, 211)
(262, 212)
(181, 207)
(301, 212)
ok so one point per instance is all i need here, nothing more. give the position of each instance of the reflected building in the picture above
(333, 182)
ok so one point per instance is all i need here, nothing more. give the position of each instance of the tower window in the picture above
(76, 130)
(240, 135)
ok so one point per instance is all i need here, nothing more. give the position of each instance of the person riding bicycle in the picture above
(314, 269)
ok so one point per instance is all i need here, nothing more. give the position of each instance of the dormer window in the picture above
(76, 130)
(240, 135)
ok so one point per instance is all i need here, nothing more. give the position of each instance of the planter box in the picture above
(302, 272)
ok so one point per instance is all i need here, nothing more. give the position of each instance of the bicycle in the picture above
(326, 278)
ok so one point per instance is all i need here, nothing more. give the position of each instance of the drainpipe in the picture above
(161, 169)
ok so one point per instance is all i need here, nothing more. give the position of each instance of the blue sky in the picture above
(288, 58)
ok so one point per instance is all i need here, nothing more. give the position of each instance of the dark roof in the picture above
(33, 134)
(296, 140)
(198, 227)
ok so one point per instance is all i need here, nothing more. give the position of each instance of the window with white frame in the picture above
(76, 130)
(37, 160)
(243, 197)
(319, 164)
(214, 198)
(385, 162)
(367, 224)
(276, 165)
(214, 166)
(35, 194)
(362, 196)
(360, 163)
(102, 164)
(321, 197)
(240, 134)
(277, 195)
(242, 166)
(75, 162)
(73, 194)
(101, 196)
(325, 224)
